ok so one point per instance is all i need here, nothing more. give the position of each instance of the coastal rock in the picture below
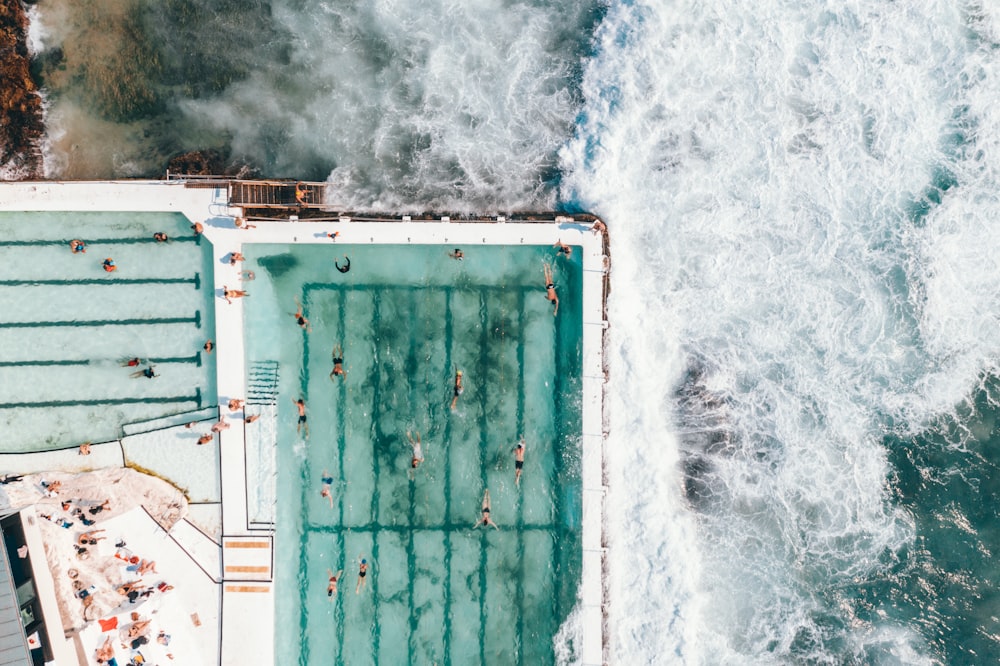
(21, 115)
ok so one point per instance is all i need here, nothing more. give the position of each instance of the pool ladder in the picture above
(262, 383)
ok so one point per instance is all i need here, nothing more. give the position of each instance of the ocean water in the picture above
(802, 198)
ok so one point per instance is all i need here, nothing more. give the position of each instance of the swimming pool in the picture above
(407, 317)
(67, 324)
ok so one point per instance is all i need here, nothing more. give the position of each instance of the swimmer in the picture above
(457, 254)
(220, 426)
(148, 373)
(235, 405)
(338, 363)
(362, 572)
(77, 246)
(252, 418)
(300, 318)
(132, 362)
(109, 265)
(550, 288)
(331, 587)
(325, 491)
(485, 520)
(205, 439)
(246, 276)
(228, 293)
(564, 250)
(301, 405)
(458, 389)
(160, 237)
(347, 265)
(518, 461)
(209, 346)
(197, 228)
(234, 257)
(418, 453)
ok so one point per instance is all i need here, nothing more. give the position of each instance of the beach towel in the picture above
(109, 624)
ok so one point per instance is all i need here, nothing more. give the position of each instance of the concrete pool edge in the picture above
(248, 583)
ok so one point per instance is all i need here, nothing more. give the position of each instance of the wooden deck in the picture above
(282, 194)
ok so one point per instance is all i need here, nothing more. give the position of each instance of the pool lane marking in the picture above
(341, 443)
(196, 320)
(304, 485)
(196, 359)
(104, 401)
(411, 564)
(446, 453)
(519, 583)
(97, 241)
(376, 471)
(196, 281)
(483, 443)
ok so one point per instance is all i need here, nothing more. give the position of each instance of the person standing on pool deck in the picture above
(325, 492)
(301, 404)
(300, 316)
(346, 267)
(362, 573)
(486, 520)
(338, 363)
(457, 389)
(518, 461)
(550, 287)
(331, 588)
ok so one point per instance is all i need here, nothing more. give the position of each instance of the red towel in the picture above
(109, 624)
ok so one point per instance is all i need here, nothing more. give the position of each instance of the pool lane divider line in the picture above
(196, 320)
(97, 241)
(196, 398)
(411, 563)
(484, 362)
(376, 473)
(196, 359)
(196, 281)
(519, 418)
(304, 502)
(341, 390)
(449, 330)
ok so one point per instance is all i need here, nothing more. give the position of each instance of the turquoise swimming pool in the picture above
(406, 318)
(67, 324)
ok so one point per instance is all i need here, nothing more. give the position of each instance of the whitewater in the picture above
(802, 200)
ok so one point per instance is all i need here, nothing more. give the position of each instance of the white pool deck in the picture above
(245, 553)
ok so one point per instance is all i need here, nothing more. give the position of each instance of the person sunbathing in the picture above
(89, 538)
(106, 653)
(139, 628)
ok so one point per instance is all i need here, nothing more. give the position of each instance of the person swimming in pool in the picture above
(131, 362)
(362, 575)
(331, 587)
(518, 461)
(550, 288)
(302, 425)
(458, 389)
(326, 490)
(338, 363)
(564, 250)
(109, 265)
(485, 520)
(347, 265)
(418, 453)
(160, 237)
(457, 254)
(148, 373)
(77, 246)
(300, 318)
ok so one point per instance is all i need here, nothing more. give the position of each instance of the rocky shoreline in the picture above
(22, 123)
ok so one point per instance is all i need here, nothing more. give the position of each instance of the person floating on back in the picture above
(550, 288)
(457, 390)
(347, 265)
(109, 265)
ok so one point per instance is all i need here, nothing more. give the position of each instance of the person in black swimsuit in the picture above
(518, 461)
(362, 572)
(486, 520)
(300, 318)
(338, 363)
(550, 287)
(302, 425)
(346, 267)
(458, 389)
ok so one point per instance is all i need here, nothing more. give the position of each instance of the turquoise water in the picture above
(66, 325)
(438, 591)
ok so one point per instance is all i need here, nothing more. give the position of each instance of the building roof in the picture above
(13, 646)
